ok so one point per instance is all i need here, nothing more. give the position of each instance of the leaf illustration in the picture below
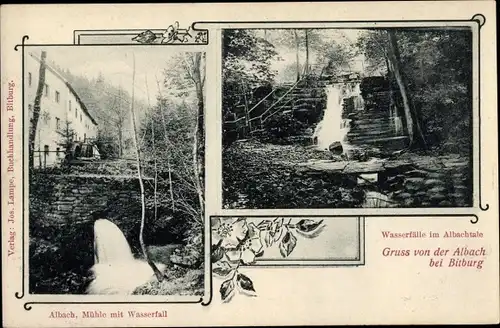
(264, 224)
(267, 239)
(222, 270)
(278, 234)
(276, 229)
(227, 290)
(260, 254)
(307, 225)
(287, 244)
(245, 285)
(217, 252)
(312, 234)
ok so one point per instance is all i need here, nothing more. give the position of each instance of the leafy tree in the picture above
(246, 61)
(436, 67)
(67, 136)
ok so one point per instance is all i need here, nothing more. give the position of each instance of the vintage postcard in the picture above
(249, 164)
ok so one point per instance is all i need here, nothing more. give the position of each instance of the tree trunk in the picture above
(307, 53)
(194, 70)
(297, 49)
(200, 133)
(199, 189)
(395, 59)
(120, 126)
(157, 272)
(154, 156)
(36, 109)
(167, 145)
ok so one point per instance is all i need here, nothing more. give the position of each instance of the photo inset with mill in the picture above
(116, 170)
(347, 118)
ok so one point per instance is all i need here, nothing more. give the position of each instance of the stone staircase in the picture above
(374, 126)
(370, 127)
(305, 102)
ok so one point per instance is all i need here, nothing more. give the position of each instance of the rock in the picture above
(408, 202)
(437, 189)
(65, 208)
(445, 203)
(433, 182)
(336, 147)
(438, 197)
(416, 173)
(403, 195)
(414, 181)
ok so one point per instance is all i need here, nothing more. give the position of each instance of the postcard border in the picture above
(302, 263)
(204, 299)
(480, 19)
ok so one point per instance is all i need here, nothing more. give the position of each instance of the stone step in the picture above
(303, 107)
(392, 143)
(374, 127)
(376, 121)
(366, 114)
(370, 133)
(308, 100)
(369, 139)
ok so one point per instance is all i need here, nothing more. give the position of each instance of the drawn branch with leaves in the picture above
(238, 242)
(173, 35)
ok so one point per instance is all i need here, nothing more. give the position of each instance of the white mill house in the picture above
(61, 110)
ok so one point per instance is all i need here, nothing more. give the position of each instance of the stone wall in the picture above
(76, 197)
(65, 200)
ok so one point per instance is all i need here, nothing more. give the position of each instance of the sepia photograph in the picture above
(116, 169)
(347, 118)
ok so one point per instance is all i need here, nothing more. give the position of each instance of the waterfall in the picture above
(374, 199)
(110, 245)
(328, 129)
(116, 271)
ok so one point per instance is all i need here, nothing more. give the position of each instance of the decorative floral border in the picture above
(173, 35)
(237, 242)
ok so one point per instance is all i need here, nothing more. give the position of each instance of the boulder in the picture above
(336, 147)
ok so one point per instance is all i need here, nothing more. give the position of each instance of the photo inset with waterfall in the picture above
(347, 118)
(116, 170)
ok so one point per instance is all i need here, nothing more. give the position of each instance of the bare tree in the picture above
(156, 271)
(167, 145)
(36, 109)
(297, 51)
(195, 70)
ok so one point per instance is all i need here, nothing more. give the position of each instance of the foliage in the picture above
(109, 105)
(107, 144)
(281, 126)
(437, 66)
(237, 242)
(173, 151)
(246, 62)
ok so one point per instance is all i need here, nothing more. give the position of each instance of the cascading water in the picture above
(329, 128)
(116, 271)
(110, 244)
